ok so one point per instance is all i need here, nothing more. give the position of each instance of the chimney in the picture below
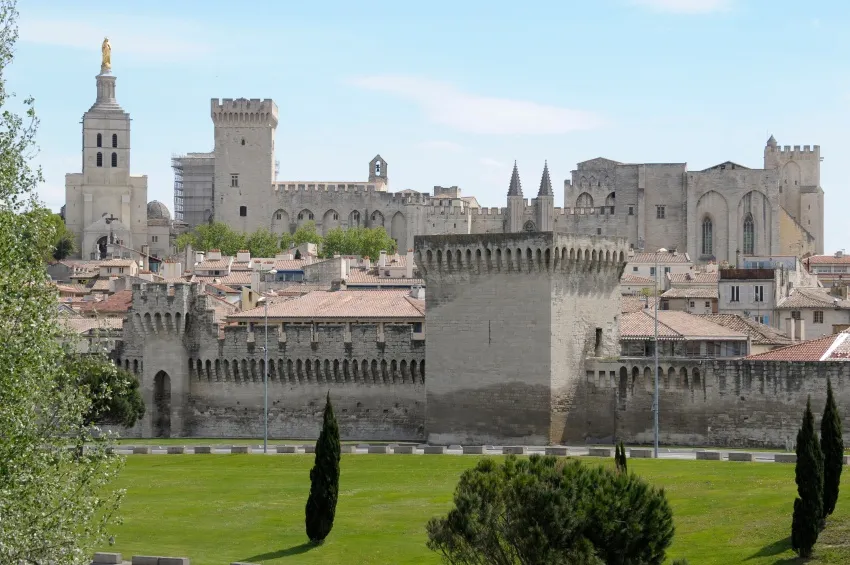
(214, 254)
(336, 285)
(243, 256)
(417, 292)
(190, 255)
(801, 329)
(382, 260)
(146, 251)
(408, 264)
(171, 270)
(789, 328)
(255, 281)
(199, 256)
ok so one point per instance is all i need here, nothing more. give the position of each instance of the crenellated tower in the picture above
(244, 161)
(512, 319)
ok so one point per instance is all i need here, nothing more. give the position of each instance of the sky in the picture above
(451, 93)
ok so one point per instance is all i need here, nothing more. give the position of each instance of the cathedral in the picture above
(105, 206)
(715, 215)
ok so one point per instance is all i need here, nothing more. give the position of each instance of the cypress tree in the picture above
(832, 445)
(324, 479)
(624, 466)
(808, 507)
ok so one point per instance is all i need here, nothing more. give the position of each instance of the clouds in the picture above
(472, 113)
(686, 6)
(148, 39)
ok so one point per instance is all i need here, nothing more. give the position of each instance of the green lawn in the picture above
(216, 509)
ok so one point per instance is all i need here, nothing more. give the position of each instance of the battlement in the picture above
(243, 112)
(796, 152)
(354, 188)
(518, 252)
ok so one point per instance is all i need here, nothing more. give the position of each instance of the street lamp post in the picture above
(265, 301)
(655, 405)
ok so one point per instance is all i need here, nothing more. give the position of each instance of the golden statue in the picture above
(106, 51)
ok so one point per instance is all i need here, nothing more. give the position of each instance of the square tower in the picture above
(244, 161)
(511, 319)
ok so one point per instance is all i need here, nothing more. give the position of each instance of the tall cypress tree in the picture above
(808, 507)
(832, 445)
(324, 479)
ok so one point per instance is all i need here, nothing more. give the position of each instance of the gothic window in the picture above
(279, 216)
(529, 226)
(584, 200)
(99, 140)
(749, 235)
(114, 140)
(707, 237)
(115, 159)
(610, 200)
(336, 216)
(99, 159)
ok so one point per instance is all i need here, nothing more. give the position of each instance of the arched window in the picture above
(378, 168)
(99, 140)
(707, 237)
(99, 159)
(114, 140)
(115, 159)
(749, 235)
(584, 200)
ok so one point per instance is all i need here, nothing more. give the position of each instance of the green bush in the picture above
(545, 511)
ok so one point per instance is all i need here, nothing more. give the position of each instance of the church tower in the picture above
(516, 203)
(105, 204)
(378, 173)
(544, 204)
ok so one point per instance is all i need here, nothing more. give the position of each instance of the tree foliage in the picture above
(216, 235)
(832, 446)
(543, 510)
(55, 506)
(324, 479)
(263, 243)
(304, 234)
(114, 392)
(808, 507)
(64, 242)
(366, 242)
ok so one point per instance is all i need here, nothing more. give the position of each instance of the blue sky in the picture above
(450, 93)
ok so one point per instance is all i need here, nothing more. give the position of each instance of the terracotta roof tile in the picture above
(214, 264)
(812, 298)
(360, 277)
(637, 303)
(828, 260)
(812, 350)
(673, 325)
(241, 278)
(83, 325)
(223, 288)
(759, 333)
(691, 292)
(117, 263)
(696, 278)
(663, 258)
(343, 304)
(629, 278)
(118, 303)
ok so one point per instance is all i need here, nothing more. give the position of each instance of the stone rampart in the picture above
(733, 403)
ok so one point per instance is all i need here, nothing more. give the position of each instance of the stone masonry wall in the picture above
(198, 383)
(735, 403)
(509, 317)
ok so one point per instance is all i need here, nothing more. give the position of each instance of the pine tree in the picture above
(324, 479)
(808, 507)
(832, 446)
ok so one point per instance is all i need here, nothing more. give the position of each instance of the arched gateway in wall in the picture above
(162, 405)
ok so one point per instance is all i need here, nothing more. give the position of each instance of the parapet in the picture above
(243, 112)
(796, 152)
(518, 252)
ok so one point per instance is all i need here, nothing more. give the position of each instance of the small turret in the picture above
(771, 142)
(515, 188)
(545, 182)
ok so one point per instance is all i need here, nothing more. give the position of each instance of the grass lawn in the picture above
(216, 509)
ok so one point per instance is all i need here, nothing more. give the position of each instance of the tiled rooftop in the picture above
(118, 303)
(828, 260)
(83, 325)
(352, 304)
(629, 278)
(694, 278)
(361, 277)
(760, 334)
(117, 263)
(812, 298)
(834, 347)
(691, 292)
(214, 264)
(636, 303)
(673, 325)
(663, 258)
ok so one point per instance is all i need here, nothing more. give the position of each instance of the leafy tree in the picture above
(216, 235)
(114, 392)
(306, 234)
(832, 446)
(808, 507)
(324, 479)
(263, 243)
(55, 506)
(64, 242)
(543, 510)
(365, 242)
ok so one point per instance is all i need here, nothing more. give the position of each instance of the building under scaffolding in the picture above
(194, 174)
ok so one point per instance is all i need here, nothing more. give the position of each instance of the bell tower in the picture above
(378, 173)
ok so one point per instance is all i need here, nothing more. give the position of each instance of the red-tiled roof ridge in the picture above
(811, 350)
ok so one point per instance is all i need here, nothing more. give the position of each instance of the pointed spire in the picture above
(515, 188)
(545, 182)
(771, 142)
